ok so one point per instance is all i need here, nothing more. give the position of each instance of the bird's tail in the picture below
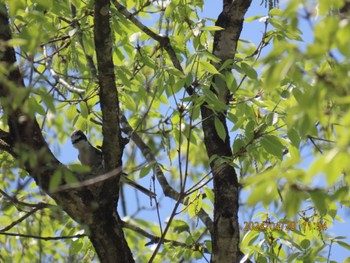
(130, 182)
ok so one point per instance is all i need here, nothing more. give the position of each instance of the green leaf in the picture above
(208, 244)
(319, 198)
(55, 180)
(129, 102)
(238, 146)
(149, 62)
(16, 42)
(48, 100)
(180, 226)
(285, 94)
(145, 170)
(294, 137)
(70, 178)
(187, 254)
(71, 113)
(169, 10)
(76, 246)
(228, 63)
(249, 71)
(78, 168)
(249, 130)
(230, 81)
(213, 101)
(276, 12)
(211, 56)
(45, 4)
(272, 145)
(252, 18)
(194, 203)
(249, 238)
(80, 123)
(120, 73)
(292, 201)
(76, 3)
(343, 244)
(210, 194)
(264, 192)
(212, 28)
(305, 243)
(209, 67)
(220, 128)
(16, 6)
(84, 110)
(36, 107)
(335, 165)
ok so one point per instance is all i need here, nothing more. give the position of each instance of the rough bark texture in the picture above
(93, 206)
(106, 234)
(225, 239)
(112, 141)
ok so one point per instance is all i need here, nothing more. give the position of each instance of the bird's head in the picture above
(78, 138)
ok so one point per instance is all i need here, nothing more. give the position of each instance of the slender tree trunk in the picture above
(225, 239)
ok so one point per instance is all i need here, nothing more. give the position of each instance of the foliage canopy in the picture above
(285, 114)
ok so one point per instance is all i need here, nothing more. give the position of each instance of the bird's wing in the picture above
(97, 151)
(130, 182)
(100, 156)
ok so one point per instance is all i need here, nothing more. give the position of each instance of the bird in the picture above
(93, 157)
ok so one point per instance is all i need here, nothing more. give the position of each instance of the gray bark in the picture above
(94, 205)
(225, 238)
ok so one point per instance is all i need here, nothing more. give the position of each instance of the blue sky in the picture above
(252, 32)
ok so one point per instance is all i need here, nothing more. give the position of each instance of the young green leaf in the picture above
(220, 128)
(272, 145)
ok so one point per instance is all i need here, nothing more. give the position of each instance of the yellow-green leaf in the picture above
(272, 145)
(209, 67)
(220, 128)
(212, 28)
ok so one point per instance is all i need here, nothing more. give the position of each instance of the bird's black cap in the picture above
(78, 136)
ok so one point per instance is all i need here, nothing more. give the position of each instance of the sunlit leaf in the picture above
(195, 204)
(212, 28)
(209, 67)
(220, 128)
(209, 193)
(272, 145)
(180, 226)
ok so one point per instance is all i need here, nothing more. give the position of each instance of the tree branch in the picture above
(163, 41)
(225, 238)
(28, 214)
(167, 189)
(17, 202)
(48, 64)
(106, 228)
(80, 204)
(155, 239)
(43, 238)
(112, 142)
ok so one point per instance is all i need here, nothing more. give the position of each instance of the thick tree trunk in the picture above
(108, 240)
(225, 239)
(93, 206)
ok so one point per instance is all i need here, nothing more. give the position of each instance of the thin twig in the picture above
(89, 182)
(42, 238)
(161, 240)
(163, 41)
(28, 214)
(167, 189)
